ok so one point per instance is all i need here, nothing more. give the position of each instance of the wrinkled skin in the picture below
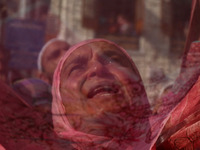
(102, 92)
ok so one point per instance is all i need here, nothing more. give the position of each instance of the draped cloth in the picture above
(182, 128)
(34, 91)
(22, 127)
(1, 147)
(124, 124)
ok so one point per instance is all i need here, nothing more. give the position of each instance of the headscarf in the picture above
(39, 61)
(49, 57)
(134, 130)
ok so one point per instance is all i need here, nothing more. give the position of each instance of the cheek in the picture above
(50, 67)
(130, 81)
(63, 53)
(124, 75)
(55, 62)
(72, 86)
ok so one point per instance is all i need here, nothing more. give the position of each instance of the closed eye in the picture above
(105, 60)
(54, 55)
(75, 68)
(116, 59)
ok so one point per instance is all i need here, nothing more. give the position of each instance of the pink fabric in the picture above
(190, 101)
(150, 127)
(2, 148)
(182, 128)
(183, 122)
(186, 119)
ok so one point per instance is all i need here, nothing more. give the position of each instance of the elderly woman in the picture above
(99, 101)
(49, 57)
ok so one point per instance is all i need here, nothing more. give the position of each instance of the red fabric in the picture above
(182, 129)
(194, 28)
(23, 128)
(183, 126)
(182, 85)
(184, 119)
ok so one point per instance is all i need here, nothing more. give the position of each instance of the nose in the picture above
(97, 69)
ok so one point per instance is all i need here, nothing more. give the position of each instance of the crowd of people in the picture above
(90, 96)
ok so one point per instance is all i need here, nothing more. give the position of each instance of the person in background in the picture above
(30, 102)
(125, 27)
(49, 57)
(112, 25)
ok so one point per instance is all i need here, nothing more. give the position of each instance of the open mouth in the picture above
(103, 89)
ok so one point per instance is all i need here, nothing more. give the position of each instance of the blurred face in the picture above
(98, 79)
(121, 20)
(51, 57)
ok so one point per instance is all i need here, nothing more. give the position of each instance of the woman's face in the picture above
(52, 55)
(96, 79)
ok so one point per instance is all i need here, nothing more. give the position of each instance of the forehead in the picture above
(101, 48)
(55, 46)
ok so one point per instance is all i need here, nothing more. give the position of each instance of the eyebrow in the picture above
(78, 60)
(121, 55)
(111, 52)
(55, 54)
